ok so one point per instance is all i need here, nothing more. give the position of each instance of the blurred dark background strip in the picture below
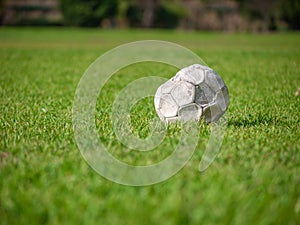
(215, 15)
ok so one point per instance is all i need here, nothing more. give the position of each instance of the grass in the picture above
(44, 180)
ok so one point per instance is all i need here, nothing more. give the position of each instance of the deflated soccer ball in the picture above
(195, 91)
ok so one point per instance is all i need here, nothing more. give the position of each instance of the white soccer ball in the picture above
(195, 91)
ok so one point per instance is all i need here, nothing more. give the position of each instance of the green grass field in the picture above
(44, 180)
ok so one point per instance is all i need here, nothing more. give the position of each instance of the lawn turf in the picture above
(44, 180)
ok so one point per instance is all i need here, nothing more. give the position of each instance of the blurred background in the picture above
(215, 15)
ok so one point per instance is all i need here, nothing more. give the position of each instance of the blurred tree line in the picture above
(253, 15)
(229, 15)
(133, 13)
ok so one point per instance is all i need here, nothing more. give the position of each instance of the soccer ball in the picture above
(195, 91)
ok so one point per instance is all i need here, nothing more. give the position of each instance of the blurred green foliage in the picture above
(166, 13)
(273, 12)
(169, 14)
(87, 13)
(225, 15)
(1, 9)
(291, 13)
